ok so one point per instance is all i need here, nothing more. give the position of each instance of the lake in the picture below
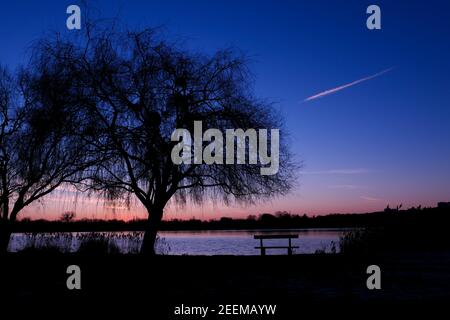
(208, 242)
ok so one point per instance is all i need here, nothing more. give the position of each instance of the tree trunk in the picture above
(151, 231)
(5, 234)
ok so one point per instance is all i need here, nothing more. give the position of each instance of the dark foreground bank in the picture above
(157, 286)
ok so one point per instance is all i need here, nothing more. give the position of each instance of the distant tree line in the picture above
(424, 217)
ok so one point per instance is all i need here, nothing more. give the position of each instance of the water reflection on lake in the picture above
(209, 242)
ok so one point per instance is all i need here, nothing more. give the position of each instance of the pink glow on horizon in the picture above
(321, 192)
(95, 209)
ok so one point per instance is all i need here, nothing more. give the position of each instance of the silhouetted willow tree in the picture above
(38, 152)
(139, 89)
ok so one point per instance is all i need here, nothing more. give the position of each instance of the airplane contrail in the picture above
(342, 87)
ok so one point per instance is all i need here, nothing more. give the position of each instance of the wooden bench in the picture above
(263, 248)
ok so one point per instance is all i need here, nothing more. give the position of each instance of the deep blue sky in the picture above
(382, 141)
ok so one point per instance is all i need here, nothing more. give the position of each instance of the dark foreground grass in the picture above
(155, 286)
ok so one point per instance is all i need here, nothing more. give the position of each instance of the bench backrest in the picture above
(275, 236)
